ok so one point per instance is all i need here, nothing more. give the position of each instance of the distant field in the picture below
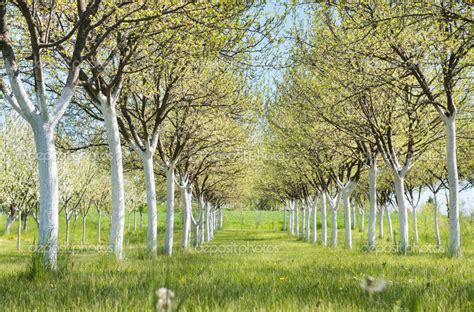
(251, 265)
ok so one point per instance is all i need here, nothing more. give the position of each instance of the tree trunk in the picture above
(373, 205)
(141, 219)
(354, 217)
(291, 218)
(128, 220)
(389, 221)
(381, 222)
(99, 220)
(415, 226)
(402, 211)
(152, 227)
(9, 223)
(202, 215)
(117, 221)
(308, 223)
(48, 189)
(169, 230)
(297, 225)
(324, 220)
(436, 221)
(18, 237)
(284, 218)
(315, 224)
(221, 217)
(84, 220)
(134, 219)
(68, 223)
(454, 247)
(346, 200)
(185, 193)
(25, 223)
(303, 223)
(334, 227)
(362, 221)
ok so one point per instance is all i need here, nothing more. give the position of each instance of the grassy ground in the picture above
(251, 265)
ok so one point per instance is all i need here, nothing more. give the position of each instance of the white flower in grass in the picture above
(373, 285)
(165, 298)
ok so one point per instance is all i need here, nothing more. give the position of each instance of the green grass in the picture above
(283, 273)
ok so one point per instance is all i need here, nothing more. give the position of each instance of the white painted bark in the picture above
(186, 229)
(297, 225)
(284, 217)
(117, 221)
(169, 229)
(152, 227)
(48, 180)
(18, 237)
(221, 217)
(324, 221)
(308, 223)
(381, 233)
(362, 221)
(334, 227)
(303, 222)
(315, 223)
(292, 217)
(373, 205)
(454, 246)
(389, 221)
(202, 215)
(436, 221)
(9, 223)
(346, 192)
(402, 211)
(415, 225)
(208, 221)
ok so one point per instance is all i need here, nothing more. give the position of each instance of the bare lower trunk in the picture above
(303, 223)
(18, 237)
(134, 219)
(324, 221)
(48, 184)
(308, 224)
(68, 223)
(169, 230)
(373, 205)
(9, 223)
(454, 246)
(346, 200)
(402, 212)
(362, 221)
(389, 221)
(186, 195)
(436, 222)
(25, 223)
(334, 228)
(152, 227)
(284, 218)
(415, 226)
(117, 221)
(297, 225)
(221, 217)
(381, 222)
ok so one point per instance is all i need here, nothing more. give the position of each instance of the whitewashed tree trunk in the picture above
(186, 193)
(346, 192)
(284, 217)
(436, 221)
(402, 211)
(415, 226)
(334, 227)
(389, 221)
(297, 224)
(292, 217)
(314, 209)
(308, 223)
(303, 222)
(373, 205)
(454, 246)
(202, 215)
(354, 217)
(9, 223)
(152, 227)
(362, 221)
(134, 219)
(169, 230)
(48, 182)
(18, 237)
(324, 220)
(117, 221)
(381, 233)
(208, 221)
(221, 217)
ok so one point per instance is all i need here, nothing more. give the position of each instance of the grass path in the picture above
(243, 269)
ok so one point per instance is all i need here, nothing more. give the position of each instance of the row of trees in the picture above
(161, 79)
(373, 84)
